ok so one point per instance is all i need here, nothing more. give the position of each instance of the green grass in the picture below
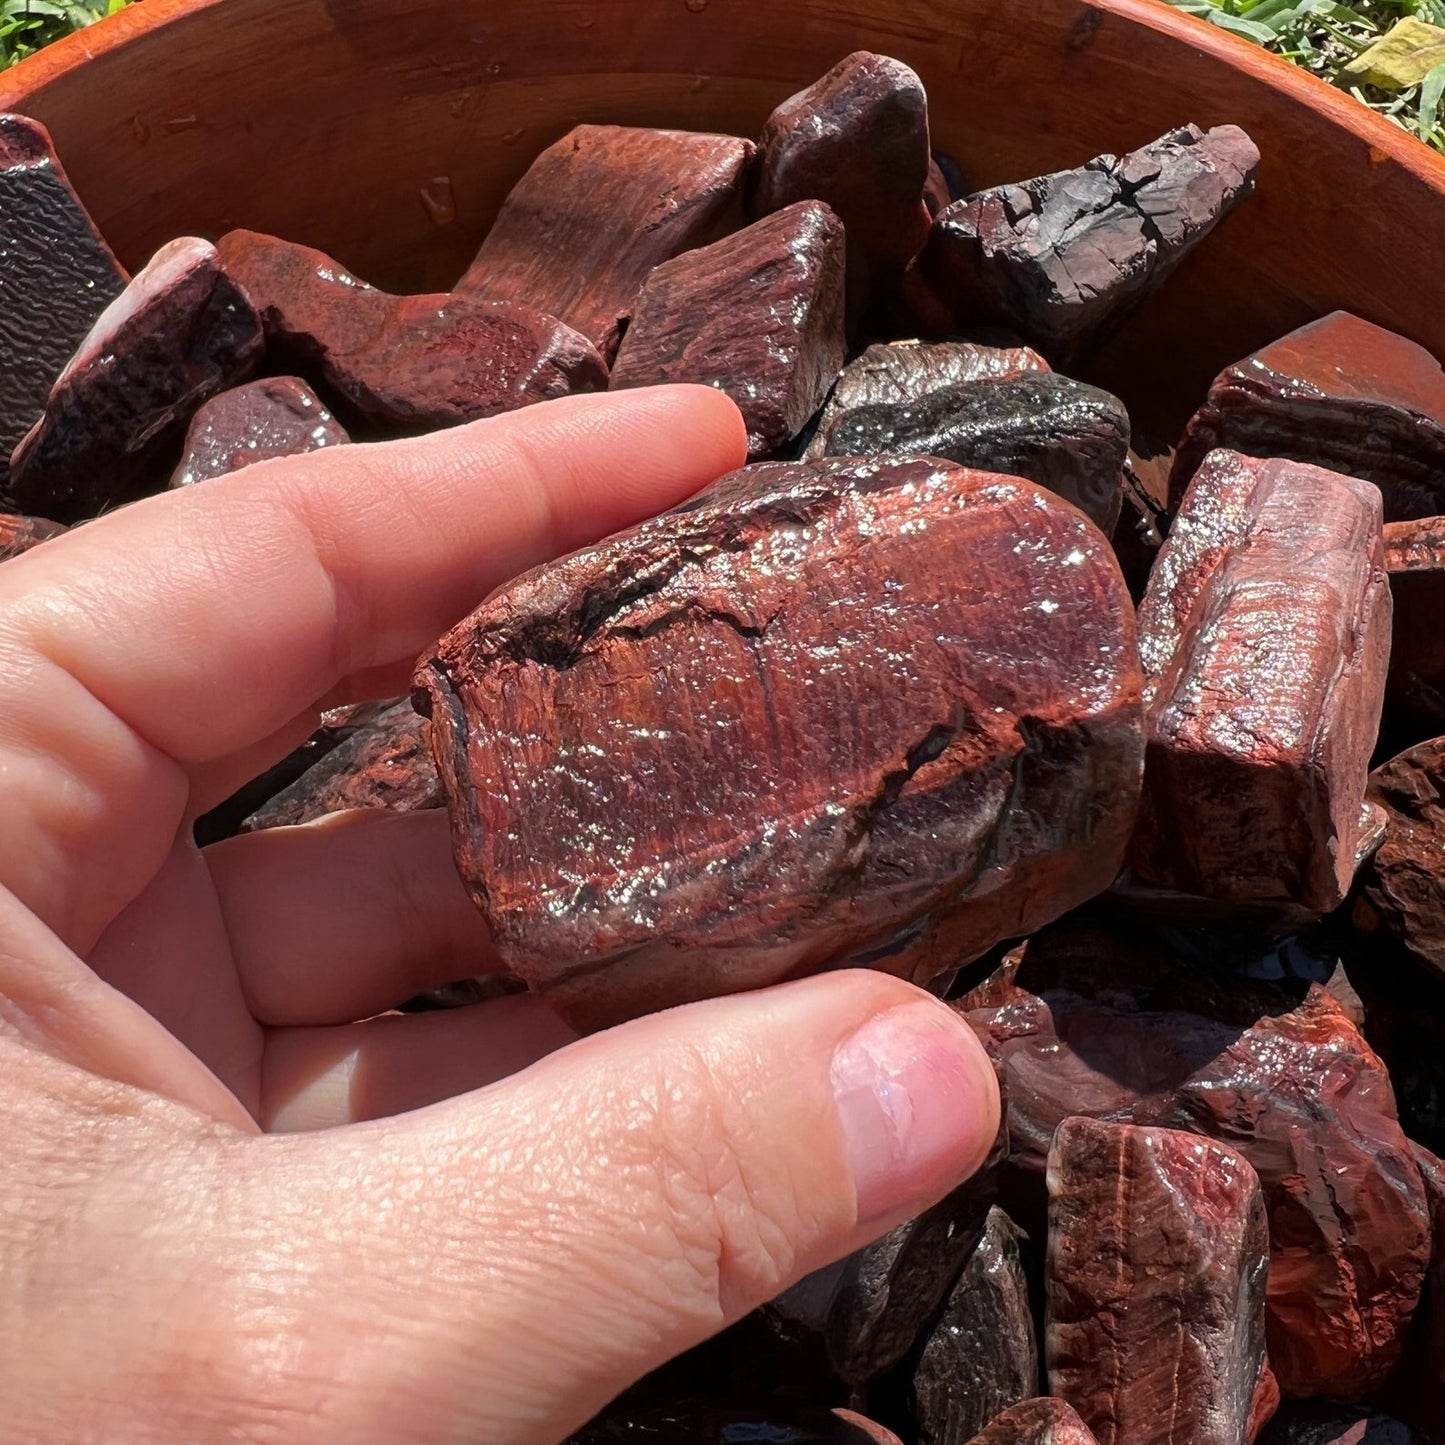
(27, 25)
(1323, 36)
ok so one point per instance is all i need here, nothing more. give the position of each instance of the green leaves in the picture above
(27, 25)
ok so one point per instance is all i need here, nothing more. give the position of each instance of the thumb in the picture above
(553, 1238)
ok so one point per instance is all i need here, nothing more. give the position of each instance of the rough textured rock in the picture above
(1415, 690)
(748, 750)
(178, 334)
(1326, 1424)
(717, 1422)
(1107, 1023)
(56, 276)
(1064, 435)
(1037, 1422)
(857, 139)
(385, 763)
(1264, 636)
(1158, 1252)
(1139, 532)
(1064, 258)
(1341, 393)
(405, 363)
(20, 534)
(597, 211)
(758, 315)
(981, 1356)
(1428, 1346)
(279, 416)
(1405, 880)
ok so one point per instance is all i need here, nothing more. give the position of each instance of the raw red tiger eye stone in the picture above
(1340, 393)
(1158, 1252)
(1064, 258)
(1037, 1422)
(279, 416)
(405, 363)
(759, 315)
(882, 711)
(1265, 636)
(56, 276)
(857, 139)
(1415, 690)
(582, 230)
(1110, 1024)
(20, 534)
(1328, 1424)
(178, 334)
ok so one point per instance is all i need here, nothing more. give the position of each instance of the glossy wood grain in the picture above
(387, 131)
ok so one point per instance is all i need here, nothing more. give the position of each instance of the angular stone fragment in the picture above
(405, 363)
(1037, 1422)
(759, 315)
(1158, 1253)
(716, 1422)
(56, 276)
(20, 534)
(1113, 1025)
(879, 711)
(1264, 636)
(1063, 259)
(1321, 1423)
(1139, 532)
(178, 334)
(1415, 688)
(384, 764)
(582, 230)
(1340, 393)
(1064, 435)
(981, 1356)
(279, 416)
(857, 139)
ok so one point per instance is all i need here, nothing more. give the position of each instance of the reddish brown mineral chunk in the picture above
(1109, 1024)
(858, 140)
(1264, 636)
(879, 711)
(1063, 259)
(1415, 692)
(1326, 1424)
(1158, 1251)
(758, 315)
(20, 534)
(980, 1356)
(385, 764)
(405, 363)
(716, 1422)
(598, 210)
(56, 276)
(276, 417)
(180, 332)
(1340, 393)
(1037, 1422)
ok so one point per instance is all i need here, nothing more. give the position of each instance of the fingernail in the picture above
(918, 1104)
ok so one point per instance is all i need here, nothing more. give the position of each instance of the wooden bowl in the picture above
(387, 132)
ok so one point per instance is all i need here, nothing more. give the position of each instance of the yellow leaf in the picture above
(1400, 59)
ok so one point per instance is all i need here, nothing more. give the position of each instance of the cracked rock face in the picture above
(1064, 435)
(1037, 1422)
(20, 534)
(1341, 393)
(1265, 636)
(1063, 259)
(1105, 1023)
(758, 315)
(787, 726)
(582, 230)
(1158, 1250)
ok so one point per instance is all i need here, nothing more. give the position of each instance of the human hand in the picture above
(493, 1265)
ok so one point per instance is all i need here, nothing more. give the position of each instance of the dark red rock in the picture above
(56, 276)
(1264, 636)
(1340, 393)
(981, 1356)
(1037, 1422)
(749, 749)
(582, 230)
(20, 534)
(279, 416)
(1063, 259)
(1321, 1423)
(1415, 690)
(1064, 435)
(1158, 1253)
(180, 332)
(386, 763)
(1139, 532)
(759, 315)
(1110, 1024)
(405, 363)
(858, 140)
(717, 1422)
